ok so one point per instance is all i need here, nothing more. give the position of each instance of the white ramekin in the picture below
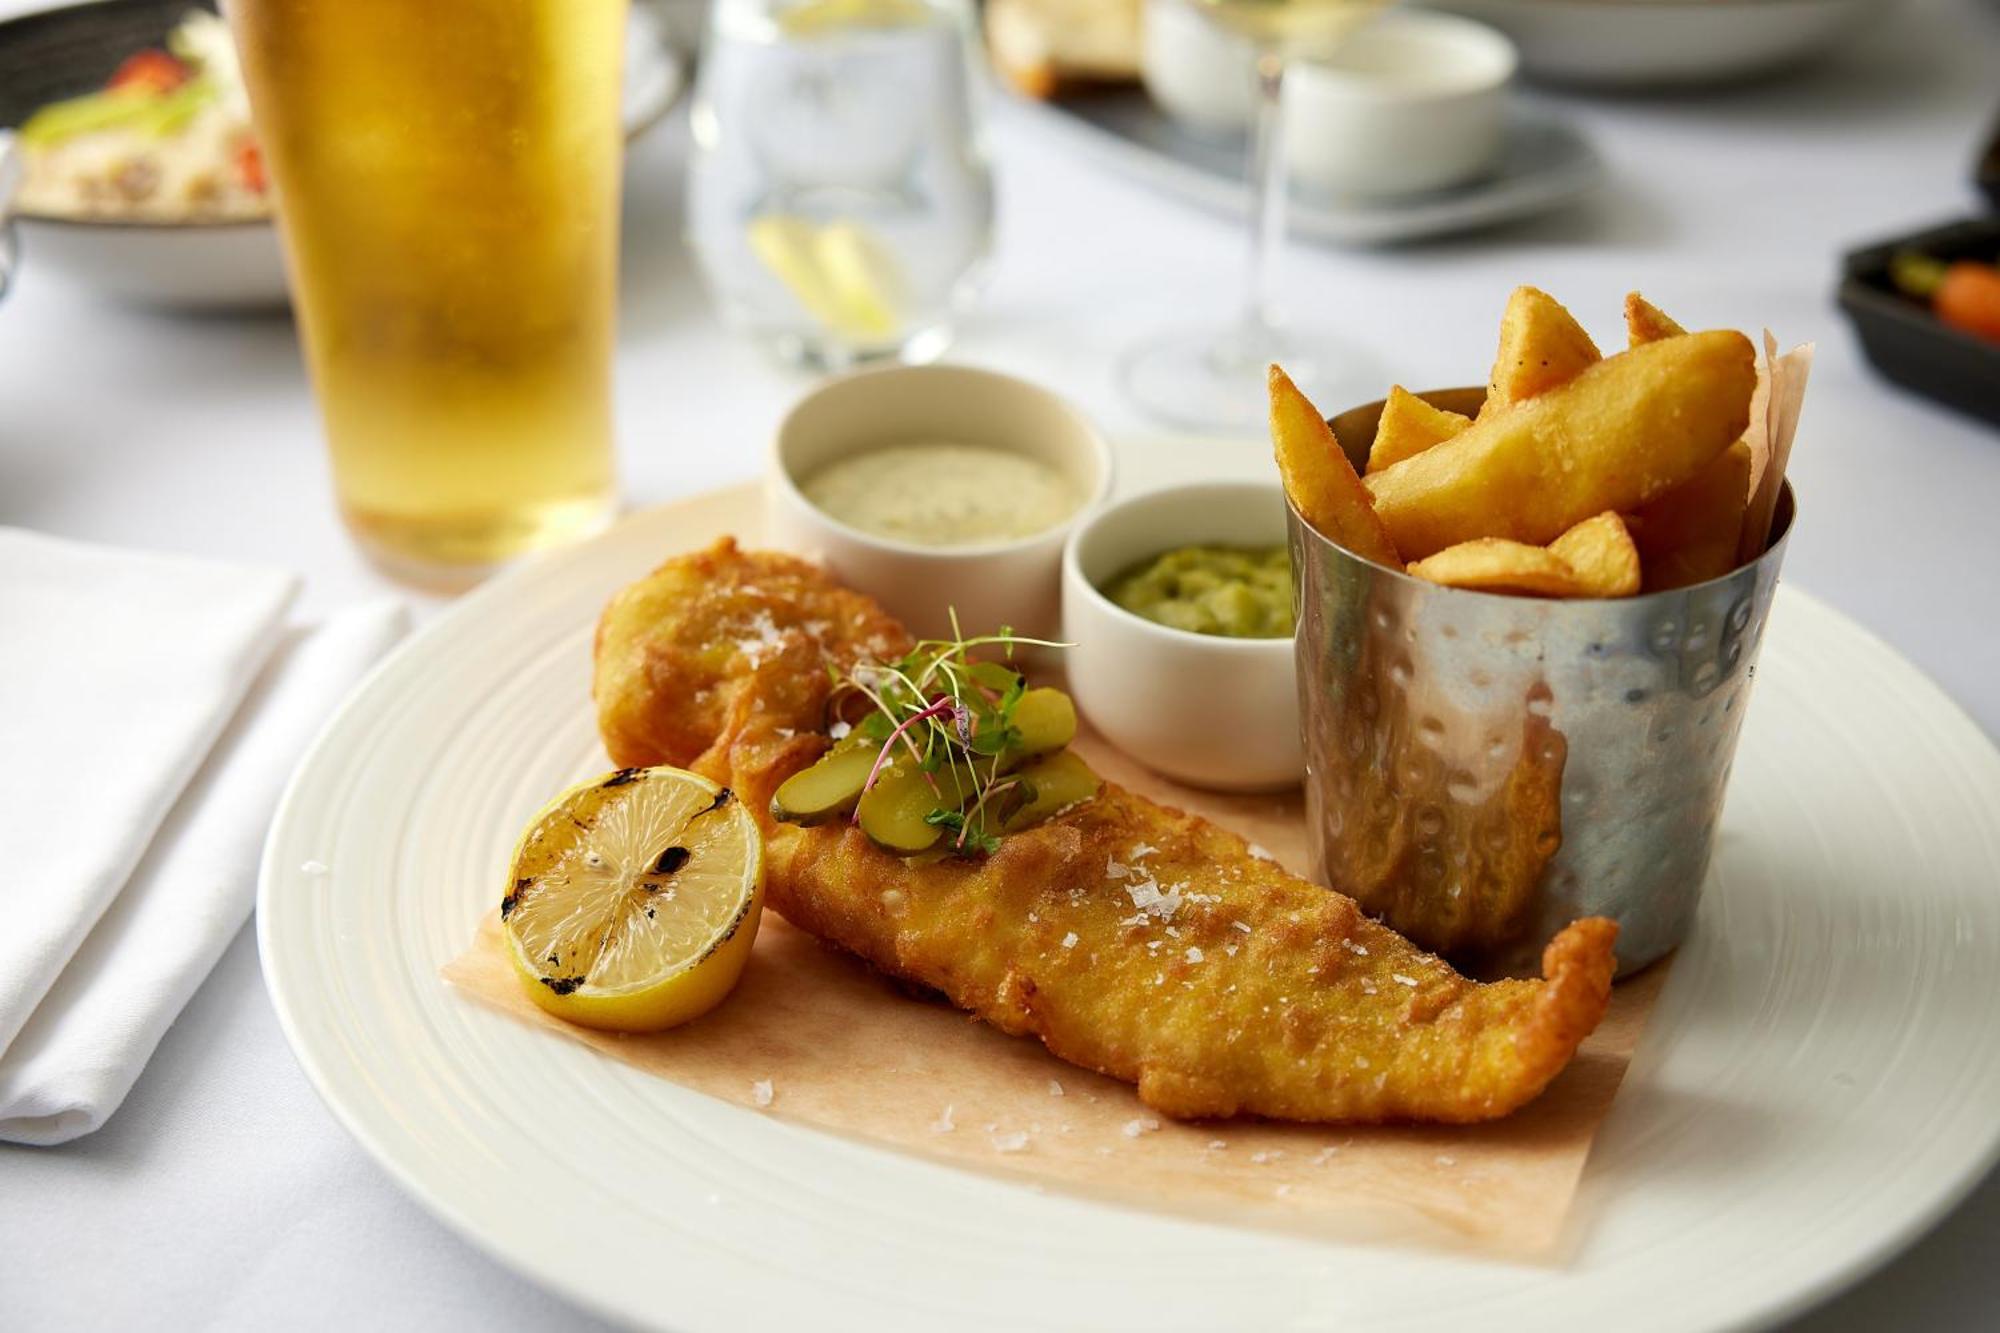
(1208, 711)
(1014, 583)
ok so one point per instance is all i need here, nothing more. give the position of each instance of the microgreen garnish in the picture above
(946, 712)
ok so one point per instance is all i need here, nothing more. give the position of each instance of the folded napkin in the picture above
(151, 708)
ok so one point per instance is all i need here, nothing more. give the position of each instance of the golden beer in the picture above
(447, 174)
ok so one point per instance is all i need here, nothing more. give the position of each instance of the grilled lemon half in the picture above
(634, 899)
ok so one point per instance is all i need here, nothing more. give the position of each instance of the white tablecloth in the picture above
(223, 1195)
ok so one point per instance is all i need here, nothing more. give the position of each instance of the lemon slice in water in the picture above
(634, 899)
(843, 277)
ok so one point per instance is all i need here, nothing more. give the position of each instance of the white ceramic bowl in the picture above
(1197, 71)
(1205, 710)
(1411, 102)
(208, 266)
(1012, 583)
(1666, 43)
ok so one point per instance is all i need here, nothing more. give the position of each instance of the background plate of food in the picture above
(142, 178)
(1820, 1038)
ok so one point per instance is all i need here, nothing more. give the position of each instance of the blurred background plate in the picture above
(1544, 163)
(232, 265)
(1651, 44)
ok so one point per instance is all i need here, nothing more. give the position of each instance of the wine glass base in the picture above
(1210, 380)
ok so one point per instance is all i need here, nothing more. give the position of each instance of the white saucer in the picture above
(1544, 163)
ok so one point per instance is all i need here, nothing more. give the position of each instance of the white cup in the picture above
(1412, 101)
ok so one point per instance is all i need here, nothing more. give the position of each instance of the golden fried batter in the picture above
(1132, 939)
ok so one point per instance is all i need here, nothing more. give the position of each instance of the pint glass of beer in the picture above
(447, 176)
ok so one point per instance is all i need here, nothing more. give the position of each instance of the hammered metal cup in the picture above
(1483, 769)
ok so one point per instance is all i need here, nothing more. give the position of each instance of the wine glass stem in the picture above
(1267, 194)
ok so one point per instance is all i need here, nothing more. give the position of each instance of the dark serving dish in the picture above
(1904, 340)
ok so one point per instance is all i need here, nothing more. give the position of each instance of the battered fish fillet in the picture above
(1132, 939)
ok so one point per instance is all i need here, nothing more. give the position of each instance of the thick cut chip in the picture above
(1689, 535)
(1646, 322)
(1600, 552)
(1409, 425)
(1625, 431)
(1541, 347)
(1494, 564)
(1320, 481)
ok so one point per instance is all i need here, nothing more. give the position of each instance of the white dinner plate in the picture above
(1818, 1083)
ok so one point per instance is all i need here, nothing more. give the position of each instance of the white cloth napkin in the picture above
(151, 708)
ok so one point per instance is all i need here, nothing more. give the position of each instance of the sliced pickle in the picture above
(827, 789)
(895, 811)
(1056, 783)
(1046, 720)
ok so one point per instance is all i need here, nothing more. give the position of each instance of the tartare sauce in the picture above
(942, 494)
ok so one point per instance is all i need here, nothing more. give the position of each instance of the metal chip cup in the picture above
(1483, 769)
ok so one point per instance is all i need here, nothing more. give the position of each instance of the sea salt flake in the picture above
(1446, 1159)
(943, 1124)
(1033, 917)
(1151, 900)
(1261, 853)
(839, 729)
(1357, 950)
(763, 640)
(1142, 851)
(1402, 980)
(1243, 926)
(1114, 869)
(1324, 1155)
(1217, 1145)
(1194, 955)
(1069, 940)
(1014, 1142)
(1145, 1124)
(1229, 949)
(761, 1093)
(1055, 1088)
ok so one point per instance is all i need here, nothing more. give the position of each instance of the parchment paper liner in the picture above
(845, 1051)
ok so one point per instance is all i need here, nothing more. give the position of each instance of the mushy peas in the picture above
(941, 494)
(1231, 591)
